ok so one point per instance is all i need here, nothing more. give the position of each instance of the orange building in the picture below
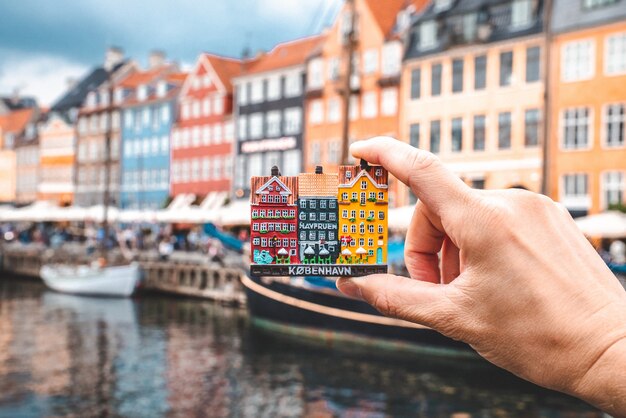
(587, 156)
(374, 83)
(13, 126)
(472, 90)
(56, 160)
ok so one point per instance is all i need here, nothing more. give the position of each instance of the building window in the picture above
(457, 134)
(479, 133)
(392, 58)
(389, 101)
(334, 110)
(577, 60)
(480, 72)
(316, 112)
(615, 54)
(273, 88)
(613, 188)
(532, 121)
(435, 136)
(293, 85)
(504, 130)
(435, 88)
(256, 126)
(315, 157)
(370, 61)
(414, 135)
(333, 151)
(575, 186)
(615, 120)
(416, 83)
(428, 35)
(256, 95)
(457, 75)
(370, 105)
(576, 128)
(592, 4)
(242, 128)
(506, 68)
(293, 121)
(521, 14)
(273, 123)
(533, 61)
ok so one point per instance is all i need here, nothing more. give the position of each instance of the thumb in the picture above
(399, 297)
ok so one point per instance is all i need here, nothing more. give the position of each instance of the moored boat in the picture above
(315, 309)
(116, 281)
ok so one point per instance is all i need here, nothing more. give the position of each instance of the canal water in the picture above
(157, 356)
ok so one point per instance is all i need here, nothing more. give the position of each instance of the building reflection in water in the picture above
(70, 356)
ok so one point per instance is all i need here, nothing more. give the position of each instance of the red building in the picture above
(274, 225)
(203, 137)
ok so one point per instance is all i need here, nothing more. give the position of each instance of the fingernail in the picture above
(348, 287)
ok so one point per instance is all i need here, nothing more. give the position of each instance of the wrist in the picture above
(604, 385)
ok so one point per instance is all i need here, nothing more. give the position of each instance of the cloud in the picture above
(42, 76)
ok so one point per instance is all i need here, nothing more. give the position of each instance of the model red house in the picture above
(274, 219)
(203, 137)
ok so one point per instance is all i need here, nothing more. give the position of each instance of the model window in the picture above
(284, 199)
(313, 216)
(370, 229)
(345, 229)
(331, 236)
(364, 185)
(370, 242)
(255, 213)
(353, 213)
(292, 243)
(264, 198)
(344, 196)
(312, 235)
(361, 242)
(380, 229)
(285, 213)
(370, 252)
(322, 204)
(361, 214)
(292, 252)
(313, 204)
(256, 241)
(255, 227)
(381, 215)
(303, 203)
(271, 227)
(344, 214)
(292, 228)
(348, 174)
(323, 216)
(353, 229)
(379, 172)
(355, 196)
(362, 228)
(381, 196)
(270, 213)
(263, 242)
(292, 212)
(302, 236)
(332, 217)
(302, 216)
(372, 195)
(285, 242)
(333, 204)
(263, 227)
(322, 235)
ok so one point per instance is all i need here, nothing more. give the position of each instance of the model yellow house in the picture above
(363, 198)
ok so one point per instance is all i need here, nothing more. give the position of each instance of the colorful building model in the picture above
(339, 224)
(317, 217)
(363, 204)
(274, 219)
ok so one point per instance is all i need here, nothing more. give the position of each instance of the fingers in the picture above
(400, 297)
(439, 188)
(422, 246)
(450, 261)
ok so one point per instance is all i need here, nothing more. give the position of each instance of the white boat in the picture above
(119, 281)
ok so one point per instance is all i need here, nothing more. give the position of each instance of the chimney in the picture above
(112, 57)
(319, 169)
(275, 171)
(364, 165)
(156, 59)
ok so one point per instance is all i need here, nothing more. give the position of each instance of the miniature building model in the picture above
(274, 219)
(317, 219)
(320, 224)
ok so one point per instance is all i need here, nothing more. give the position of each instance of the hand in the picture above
(516, 280)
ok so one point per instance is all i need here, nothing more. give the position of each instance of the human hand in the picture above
(517, 280)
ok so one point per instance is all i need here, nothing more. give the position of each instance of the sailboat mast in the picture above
(349, 46)
(106, 196)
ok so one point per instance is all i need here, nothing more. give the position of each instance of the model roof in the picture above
(257, 184)
(317, 185)
(356, 172)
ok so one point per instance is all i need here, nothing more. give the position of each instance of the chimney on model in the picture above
(319, 169)
(112, 57)
(275, 171)
(156, 59)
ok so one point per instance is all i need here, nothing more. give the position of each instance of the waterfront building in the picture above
(202, 140)
(89, 105)
(363, 205)
(274, 218)
(472, 90)
(57, 138)
(26, 147)
(587, 100)
(148, 108)
(269, 121)
(374, 83)
(13, 125)
(318, 217)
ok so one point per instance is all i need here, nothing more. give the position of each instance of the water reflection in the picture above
(69, 356)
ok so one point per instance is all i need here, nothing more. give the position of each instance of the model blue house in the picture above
(147, 117)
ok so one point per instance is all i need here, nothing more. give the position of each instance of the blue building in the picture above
(148, 114)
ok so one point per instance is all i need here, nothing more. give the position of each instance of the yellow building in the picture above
(472, 90)
(363, 198)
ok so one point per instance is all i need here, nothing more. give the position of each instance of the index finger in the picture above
(421, 170)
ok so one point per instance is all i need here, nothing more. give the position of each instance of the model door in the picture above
(379, 256)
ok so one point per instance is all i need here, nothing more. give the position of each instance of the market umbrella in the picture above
(611, 224)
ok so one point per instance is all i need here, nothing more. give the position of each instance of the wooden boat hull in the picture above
(303, 311)
(116, 281)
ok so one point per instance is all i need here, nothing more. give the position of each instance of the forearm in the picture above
(604, 385)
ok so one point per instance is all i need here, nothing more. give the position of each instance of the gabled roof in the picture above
(385, 13)
(12, 103)
(356, 172)
(286, 54)
(225, 68)
(138, 78)
(16, 121)
(259, 184)
(75, 97)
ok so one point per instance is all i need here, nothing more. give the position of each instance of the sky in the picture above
(43, 44)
